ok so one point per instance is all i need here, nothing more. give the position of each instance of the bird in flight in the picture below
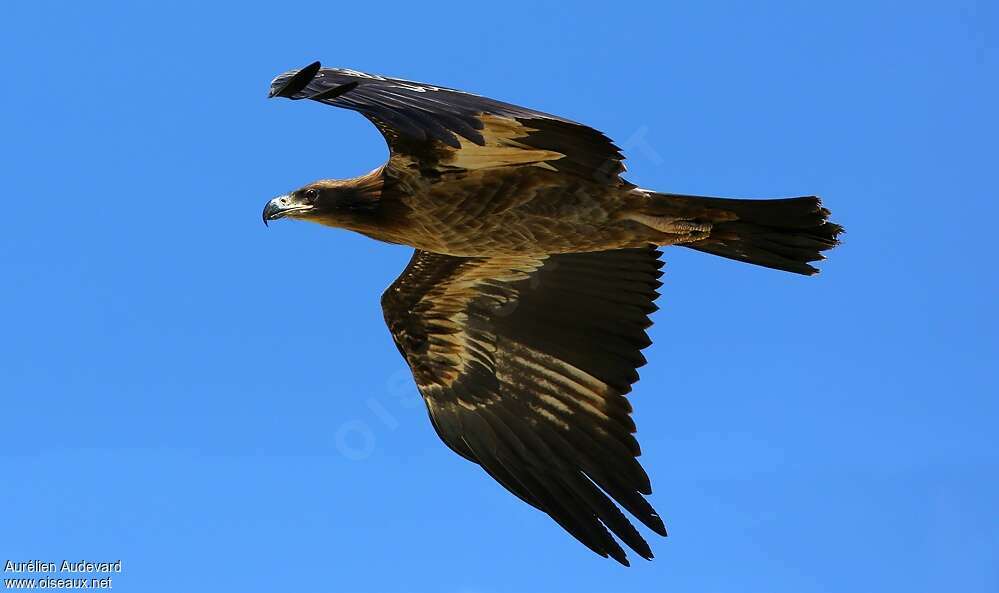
(523, 311)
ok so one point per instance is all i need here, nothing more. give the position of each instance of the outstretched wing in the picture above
(523, 364)
(430, 127)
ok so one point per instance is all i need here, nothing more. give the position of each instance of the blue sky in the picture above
(220, 406)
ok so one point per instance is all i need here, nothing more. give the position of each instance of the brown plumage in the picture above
(523, 311)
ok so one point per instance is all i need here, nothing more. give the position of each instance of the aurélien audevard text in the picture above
(64, 566)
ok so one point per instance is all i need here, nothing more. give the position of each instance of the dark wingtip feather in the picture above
(618, 554)
(296, 82)
(655, 523)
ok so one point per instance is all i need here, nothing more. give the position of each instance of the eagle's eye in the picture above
(312, 194)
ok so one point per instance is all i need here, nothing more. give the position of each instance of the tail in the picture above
(782, 234)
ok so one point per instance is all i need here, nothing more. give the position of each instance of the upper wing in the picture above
(437, 128)
(523, 364)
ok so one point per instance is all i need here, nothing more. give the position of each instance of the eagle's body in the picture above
(517, 211)
(523, 311)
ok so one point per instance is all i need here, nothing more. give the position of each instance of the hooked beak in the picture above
(282, 206)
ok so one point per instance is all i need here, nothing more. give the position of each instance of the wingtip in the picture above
(622, 560)
(296, 82)
(658, 526)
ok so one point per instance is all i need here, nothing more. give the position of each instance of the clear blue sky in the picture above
(220, 406)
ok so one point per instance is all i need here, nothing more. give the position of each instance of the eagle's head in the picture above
(336, 203)
(304, 203)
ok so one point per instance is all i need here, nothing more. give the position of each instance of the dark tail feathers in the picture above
(783, 234)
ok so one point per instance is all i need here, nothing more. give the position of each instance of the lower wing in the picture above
(524, 362)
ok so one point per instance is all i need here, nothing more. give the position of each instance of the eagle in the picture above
(524, 309)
